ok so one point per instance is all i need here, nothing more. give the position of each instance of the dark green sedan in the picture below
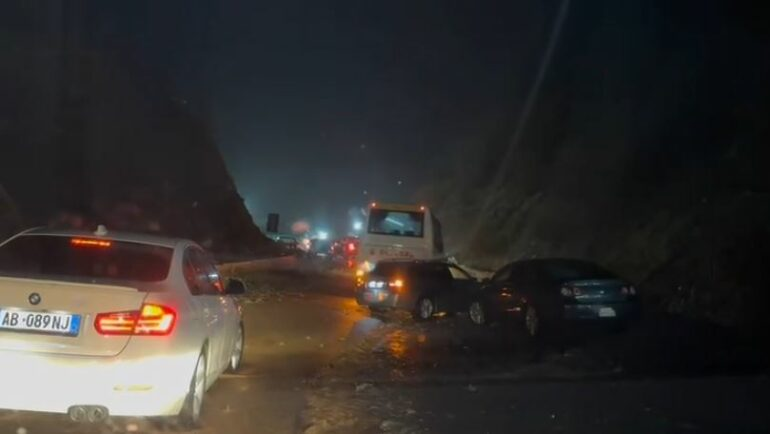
(551, 294)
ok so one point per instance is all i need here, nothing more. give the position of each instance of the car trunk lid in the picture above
(598, 290)
(65, 304)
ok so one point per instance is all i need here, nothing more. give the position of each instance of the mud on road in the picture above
(387, 376)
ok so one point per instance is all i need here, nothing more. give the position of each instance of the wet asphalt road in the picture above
(317, 362)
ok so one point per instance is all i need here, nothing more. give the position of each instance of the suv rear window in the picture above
(390, 269)
(433, 271)
(84, 258)
(399, 223)
(575, 270)
(421, 270)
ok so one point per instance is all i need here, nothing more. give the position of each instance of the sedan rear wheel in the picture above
(425, 309)
(237, 355)
(476, 313)
(532, 322)
(190, 415)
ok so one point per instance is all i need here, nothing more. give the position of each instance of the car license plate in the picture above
(39, 322)
(394, 253)
(375, 295)
(606, 312)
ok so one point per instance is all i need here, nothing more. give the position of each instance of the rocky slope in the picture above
(642, 151)
(88, 136)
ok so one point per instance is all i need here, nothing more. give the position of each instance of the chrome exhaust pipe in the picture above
(97, 413)
(88, 413)
(77, 413)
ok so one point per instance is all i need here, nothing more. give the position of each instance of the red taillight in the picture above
(352, 247)
(152, 319)
(155, 320)
(116, 323)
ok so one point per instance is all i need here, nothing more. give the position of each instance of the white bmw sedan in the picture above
(99, 324)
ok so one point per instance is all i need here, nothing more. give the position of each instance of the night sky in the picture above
(313, 104)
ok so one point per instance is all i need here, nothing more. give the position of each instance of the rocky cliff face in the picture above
(642, 151)
(88, 137)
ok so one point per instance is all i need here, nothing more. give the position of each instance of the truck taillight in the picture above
(150, 320)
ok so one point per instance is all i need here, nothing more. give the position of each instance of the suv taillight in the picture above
(628, 290)
(571, 291)
(150, 320)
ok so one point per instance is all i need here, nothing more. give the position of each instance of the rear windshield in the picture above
(390, 269)
(398, 223)
(84, 258)
(320, 245)
(575, 270)
(418, 270)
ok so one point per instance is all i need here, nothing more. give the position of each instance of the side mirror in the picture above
(235, 287)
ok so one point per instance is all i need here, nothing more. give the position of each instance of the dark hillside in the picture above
(645, 149)
(87, 136)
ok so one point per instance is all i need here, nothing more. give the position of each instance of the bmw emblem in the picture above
(34, 299)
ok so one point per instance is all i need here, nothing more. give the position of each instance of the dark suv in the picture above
(422, 287)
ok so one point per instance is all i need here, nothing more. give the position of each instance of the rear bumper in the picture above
(573, 313)
(602, 312)
(377, 298)
(150, 385)
(386, 300)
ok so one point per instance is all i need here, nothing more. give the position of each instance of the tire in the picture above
(190, 415)
(532, 322)
(425, 309)
(477, 313)
(237, 356)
